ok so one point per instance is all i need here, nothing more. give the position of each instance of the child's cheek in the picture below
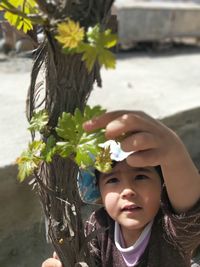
(110, 201)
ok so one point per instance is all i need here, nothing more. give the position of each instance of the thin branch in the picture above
(43, 6)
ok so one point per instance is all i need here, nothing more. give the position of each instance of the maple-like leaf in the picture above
(26, 7)
(29, 159)
(71, 141)
(76, 143)
(39, 121)
(70, 34)
(97, 48)
(103, 162)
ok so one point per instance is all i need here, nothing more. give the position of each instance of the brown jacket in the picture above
(173, 238)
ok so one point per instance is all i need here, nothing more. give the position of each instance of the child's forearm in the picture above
(181, 177)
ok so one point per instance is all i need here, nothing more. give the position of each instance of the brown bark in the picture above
(67, 85)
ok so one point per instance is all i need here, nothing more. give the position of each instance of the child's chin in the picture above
(132, 225)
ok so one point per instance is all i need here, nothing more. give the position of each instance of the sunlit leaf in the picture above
(90, 113)
(107, 39)
(49, 150)
(30, 159)
(107, 59)
(97, 48)
(64, 149)
(83, 157)
(90, 55)
(26, 7)
(39, 121)
(103, 162)
(76, 142)
(66, 127)
(71, 141)
(70, 34)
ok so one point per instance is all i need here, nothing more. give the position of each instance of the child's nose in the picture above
(128, 192)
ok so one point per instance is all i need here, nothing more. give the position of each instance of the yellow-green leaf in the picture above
(30, 159)
(18, 22)
(26, 7)
(93, 53)
(70, 34)
(97, 48)
(108, 39)
(107, 59)
(89, 55)
(103, 162)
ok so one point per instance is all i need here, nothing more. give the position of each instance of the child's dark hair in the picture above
(159, 171)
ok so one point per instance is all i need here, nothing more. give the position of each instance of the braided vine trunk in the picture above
(65, 85)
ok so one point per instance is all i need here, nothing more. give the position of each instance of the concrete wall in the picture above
(155, 21)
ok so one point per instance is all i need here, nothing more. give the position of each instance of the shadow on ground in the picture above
(22, 242)
(158, 50)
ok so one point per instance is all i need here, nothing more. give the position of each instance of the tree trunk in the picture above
(66, 85)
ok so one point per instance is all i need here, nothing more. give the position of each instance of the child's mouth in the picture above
(130, 208)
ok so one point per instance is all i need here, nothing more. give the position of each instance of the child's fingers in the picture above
(103, 120)
(128, 123)
(144, 158)
(51, 262)
(139, 141)
(118, 123)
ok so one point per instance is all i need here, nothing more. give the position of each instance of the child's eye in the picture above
(141, 177)
(112, 180)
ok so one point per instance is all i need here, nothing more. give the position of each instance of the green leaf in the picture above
(93, 34)
(64, 149)
(66, 127)
(107, 39)
(84, 158)
(95, 111)
(97, 48)
(78, 117)
(49, 150)
(39, 121)
(30, 159)
(73, 142)
(107, 59)
(90, 54)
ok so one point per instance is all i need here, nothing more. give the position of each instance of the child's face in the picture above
(131, 196)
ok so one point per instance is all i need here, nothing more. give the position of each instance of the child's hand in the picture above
(52, 262)
(154, 144)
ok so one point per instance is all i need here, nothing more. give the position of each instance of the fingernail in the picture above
(88, 125)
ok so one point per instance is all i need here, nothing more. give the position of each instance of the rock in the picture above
(142, 21)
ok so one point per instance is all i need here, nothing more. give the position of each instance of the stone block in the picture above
(156, 21)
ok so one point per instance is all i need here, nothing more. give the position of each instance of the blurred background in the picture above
(158, 71)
